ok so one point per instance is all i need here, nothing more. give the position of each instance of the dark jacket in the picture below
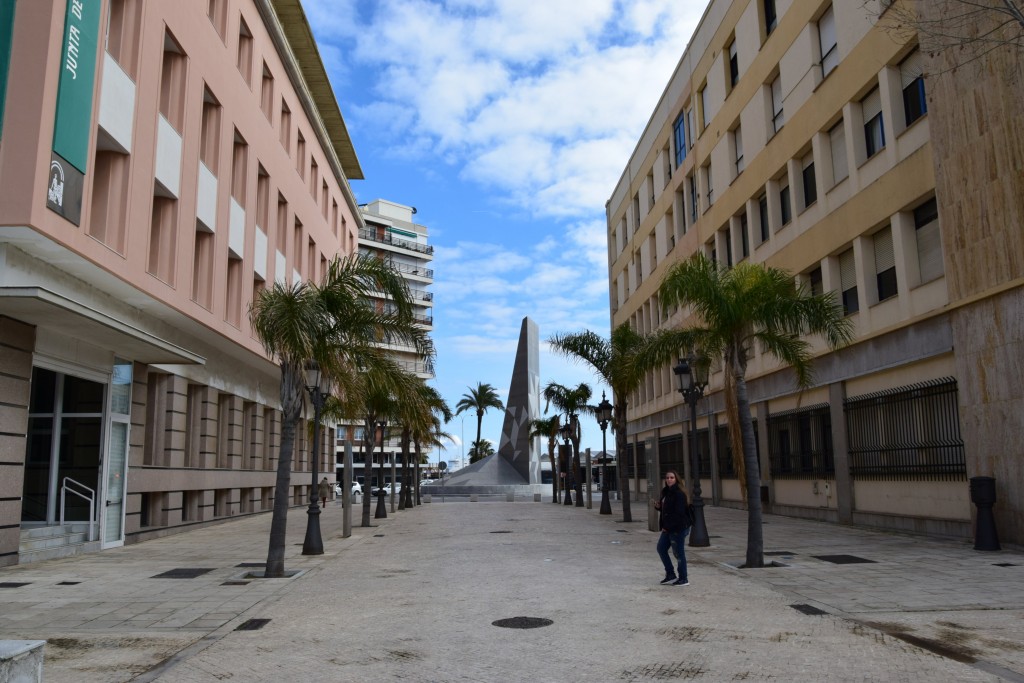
(674, 514)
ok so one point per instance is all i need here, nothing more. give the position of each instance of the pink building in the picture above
(160, 162)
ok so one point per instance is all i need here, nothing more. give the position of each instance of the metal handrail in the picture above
(91, 498)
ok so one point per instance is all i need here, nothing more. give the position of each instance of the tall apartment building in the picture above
(389, 233)
(812, 137)
(160, 163)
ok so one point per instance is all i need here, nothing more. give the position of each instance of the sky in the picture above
(507, 124)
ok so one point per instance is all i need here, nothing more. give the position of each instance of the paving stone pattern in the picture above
(415, 599)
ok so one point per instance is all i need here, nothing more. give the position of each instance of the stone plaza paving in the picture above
(414, 598)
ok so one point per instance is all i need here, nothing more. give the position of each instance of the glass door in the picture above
(116, 462)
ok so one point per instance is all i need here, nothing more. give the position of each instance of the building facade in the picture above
(160, 164)
(390, 233)
(819, 138)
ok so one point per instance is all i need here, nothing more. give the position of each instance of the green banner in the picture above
(77, 78)
(6, 36)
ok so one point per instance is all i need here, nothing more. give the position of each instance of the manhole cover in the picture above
(1004, 564)
(522, 622)
(378, 535)
(183, 573)
(13, 584)
(501, 532)
(69, 583)
(252, 625)
(843, 559)
(808, 609)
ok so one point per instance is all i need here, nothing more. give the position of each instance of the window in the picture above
(267, 92)
(848, 282)
(679, 129)
(705, 112)
(693, 199)
(124, 19)
(689, 128)
(885, 264)
(172, 83)
(744, 238)
(814, 282)
(837, 145)
(771, 17)
(810, 186)
(286, 127)
(727, 242)
(874, 129)
(734, 64)
(785, 206)
(912, 75)
(245, 51)
(929, 244)
(217, 10)
(239, 169)
(209, 135)
(707, 183)
(778, 117)
(737, 136)
(762, 210)
(827, 42)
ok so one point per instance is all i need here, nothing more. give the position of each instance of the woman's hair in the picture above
(679, 480)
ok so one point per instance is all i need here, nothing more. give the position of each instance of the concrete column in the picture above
(840, 452)
(17, 341)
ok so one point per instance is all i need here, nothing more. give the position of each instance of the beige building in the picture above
(808, 136)
(160, 163)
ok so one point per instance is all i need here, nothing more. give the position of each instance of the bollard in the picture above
(536, 498)
(510, 497)
(983, 495)
(426, 498)
(472, 498)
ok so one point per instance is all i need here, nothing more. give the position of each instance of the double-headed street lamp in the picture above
(692, 373)
(564, 431)
(604, 416)
(318, 386)
(382, 508)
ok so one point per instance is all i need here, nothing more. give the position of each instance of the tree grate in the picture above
(235, 583)
(183, 573)
(522, 622)
(13, 584)
(251, 564)
(843, 559)
(809, 609)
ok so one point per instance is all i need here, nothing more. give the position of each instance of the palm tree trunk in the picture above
(368, 441)
(620, 465)
(577, 472)
(404, 494)
(755, 536)
(416, 472)
(554, 471)
(479, 425)
(291, 407)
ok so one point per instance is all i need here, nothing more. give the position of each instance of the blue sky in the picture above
(506, 123)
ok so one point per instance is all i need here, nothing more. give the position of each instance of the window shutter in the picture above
(929, 251)
(777, 97)
(884, 256)
(837, 141)
(847, 270)
(911, 68)
(738, 136)
(871, 105)
(827, 41)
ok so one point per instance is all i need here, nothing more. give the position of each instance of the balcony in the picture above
(413, 270)
(387, 238)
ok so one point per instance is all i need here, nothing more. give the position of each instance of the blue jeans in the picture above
(678, 543)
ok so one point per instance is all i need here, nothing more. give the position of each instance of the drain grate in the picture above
(235, 583)
(69, 583)
(13, 584)
(1004, 564)
(183, 573)
(378, 535)
(808, 609)
(252, 625)
(251, 564)
(522, 622)
(501, 532)
(843, 559)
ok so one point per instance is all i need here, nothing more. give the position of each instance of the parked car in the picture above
(398, 488)
(356, 488)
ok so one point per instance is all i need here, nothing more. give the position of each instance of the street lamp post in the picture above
(564, 431)
(604, 416)
(692, 373)
(318, 387)
(382, 509)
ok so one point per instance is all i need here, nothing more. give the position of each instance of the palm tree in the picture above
(614, 360)
(336, 325)
(433, 436)
(548, 427)
(736, 309)
(572, 402)
(480, 399)
(480, 450)
(418, 414)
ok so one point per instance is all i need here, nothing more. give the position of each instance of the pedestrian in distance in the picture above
(675, 523)
(325, 491)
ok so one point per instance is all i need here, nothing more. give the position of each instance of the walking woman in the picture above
(675, 527)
